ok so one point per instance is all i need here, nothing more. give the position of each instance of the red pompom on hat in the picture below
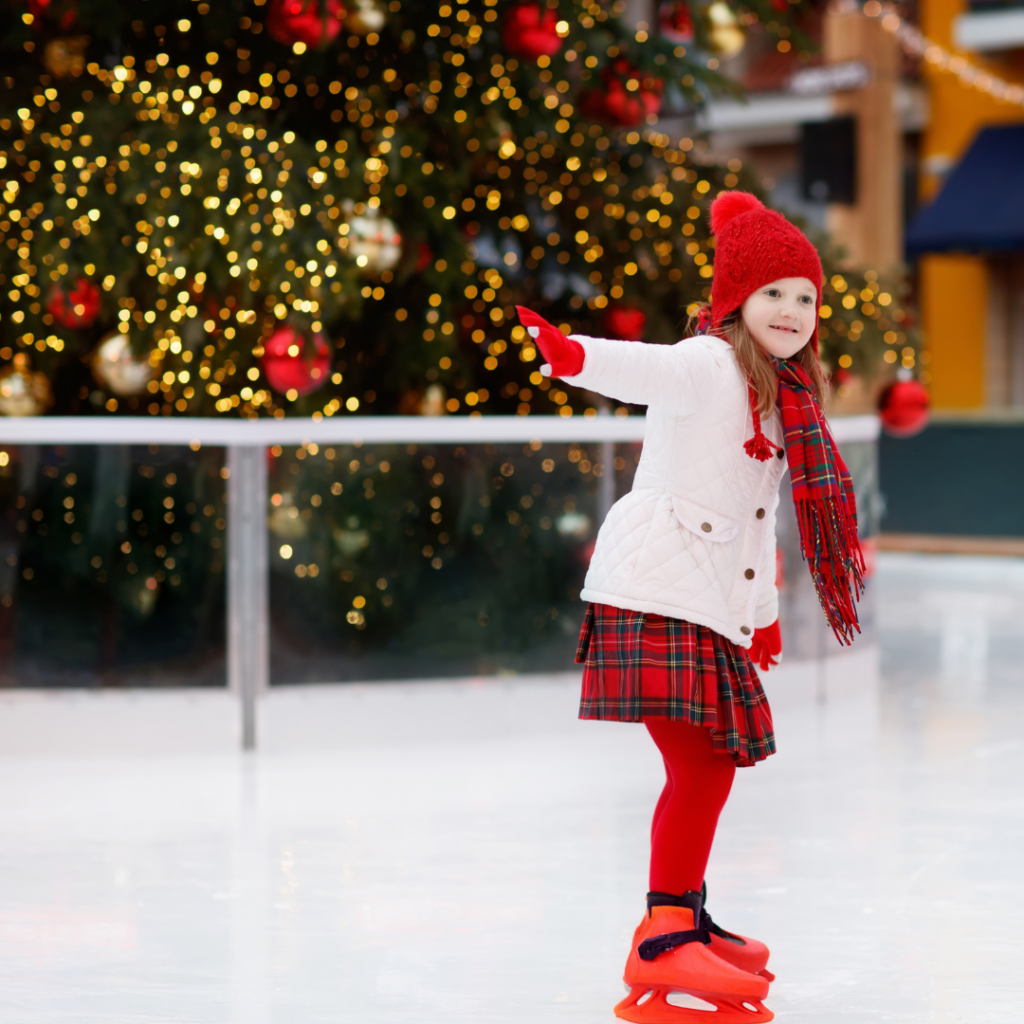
(753, 247)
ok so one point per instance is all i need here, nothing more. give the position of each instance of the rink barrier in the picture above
(247, 441)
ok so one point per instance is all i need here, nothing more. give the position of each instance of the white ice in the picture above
(444, 854)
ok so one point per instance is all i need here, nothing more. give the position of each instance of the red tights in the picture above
(697, 785)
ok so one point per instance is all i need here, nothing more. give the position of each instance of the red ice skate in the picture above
(672, 957)
(745, 953)
(740, 951)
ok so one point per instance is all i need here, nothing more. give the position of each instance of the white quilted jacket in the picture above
(695, 537)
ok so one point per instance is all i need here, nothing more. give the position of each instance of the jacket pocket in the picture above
(711, 526)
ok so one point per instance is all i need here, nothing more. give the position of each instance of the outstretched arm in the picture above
(686, 376)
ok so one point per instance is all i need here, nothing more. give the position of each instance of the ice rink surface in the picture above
(478, 855)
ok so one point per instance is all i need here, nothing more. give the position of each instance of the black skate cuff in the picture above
(691, 899)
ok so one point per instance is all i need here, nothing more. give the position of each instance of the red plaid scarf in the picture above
(826, 509)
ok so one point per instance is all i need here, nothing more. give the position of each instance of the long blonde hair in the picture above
(756, 365)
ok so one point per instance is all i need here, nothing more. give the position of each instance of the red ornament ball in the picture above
(303, 21)
(424, 257)
(625, 322)
(530, 32)
(903, 407)
(293, 362)
(64, 12)
(676, 22)
(618, 105)
(78, 308)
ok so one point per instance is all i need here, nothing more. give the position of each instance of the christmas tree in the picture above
(295, 206)
(300, 207)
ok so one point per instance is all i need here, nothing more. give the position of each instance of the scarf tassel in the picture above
(831, 548)
(758, 447)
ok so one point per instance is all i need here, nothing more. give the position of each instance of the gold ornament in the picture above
(352, 538)
(22, 391)
(726, 33)
(139, 594)
(373, 242)
(364, 17)
(433, 401)
(117, 369)
(284, 519)
(65, 56)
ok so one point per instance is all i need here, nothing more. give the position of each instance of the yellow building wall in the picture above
(950, 285)
(954, 328)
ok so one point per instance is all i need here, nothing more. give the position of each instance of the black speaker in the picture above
(828, 160)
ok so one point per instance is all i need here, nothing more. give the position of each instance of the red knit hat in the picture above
(755, 246)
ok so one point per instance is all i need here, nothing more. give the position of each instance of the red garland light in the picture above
(290, 367)
(625, 322)
(78, 308)
(530, 33)
(301, 21)
(903, 408)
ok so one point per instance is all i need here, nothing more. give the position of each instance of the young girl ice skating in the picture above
(682, 581)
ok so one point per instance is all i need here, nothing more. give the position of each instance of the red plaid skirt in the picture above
(640, 665)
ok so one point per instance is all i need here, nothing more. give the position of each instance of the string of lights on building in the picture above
(916, 44)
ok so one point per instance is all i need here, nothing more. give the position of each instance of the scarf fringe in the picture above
(831, 548)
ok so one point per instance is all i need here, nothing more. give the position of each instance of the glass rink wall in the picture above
(398, 561)
(111, 565)
(149, 553)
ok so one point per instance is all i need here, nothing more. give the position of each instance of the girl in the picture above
(682, 581)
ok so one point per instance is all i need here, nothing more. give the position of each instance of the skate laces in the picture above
(706, 922)
(692, 901)
(714, 929)
(651, 948)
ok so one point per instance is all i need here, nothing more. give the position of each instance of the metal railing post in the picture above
(606, 485)
(248, 590)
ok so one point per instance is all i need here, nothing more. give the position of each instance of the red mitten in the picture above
(766, 646)
(564, 356)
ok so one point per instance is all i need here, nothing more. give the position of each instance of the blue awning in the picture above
(981, 205)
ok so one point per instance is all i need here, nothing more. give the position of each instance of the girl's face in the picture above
(781, 315)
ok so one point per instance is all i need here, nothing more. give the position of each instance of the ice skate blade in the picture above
(647, 1004)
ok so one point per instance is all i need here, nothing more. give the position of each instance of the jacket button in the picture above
(781, 453)
(745, 630)
(706, 527)
(749, 574)
(760, 513)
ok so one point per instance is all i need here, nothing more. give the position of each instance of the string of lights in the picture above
(915, 43)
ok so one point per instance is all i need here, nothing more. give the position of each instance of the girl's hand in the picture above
(766, 646)
(564, 357)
